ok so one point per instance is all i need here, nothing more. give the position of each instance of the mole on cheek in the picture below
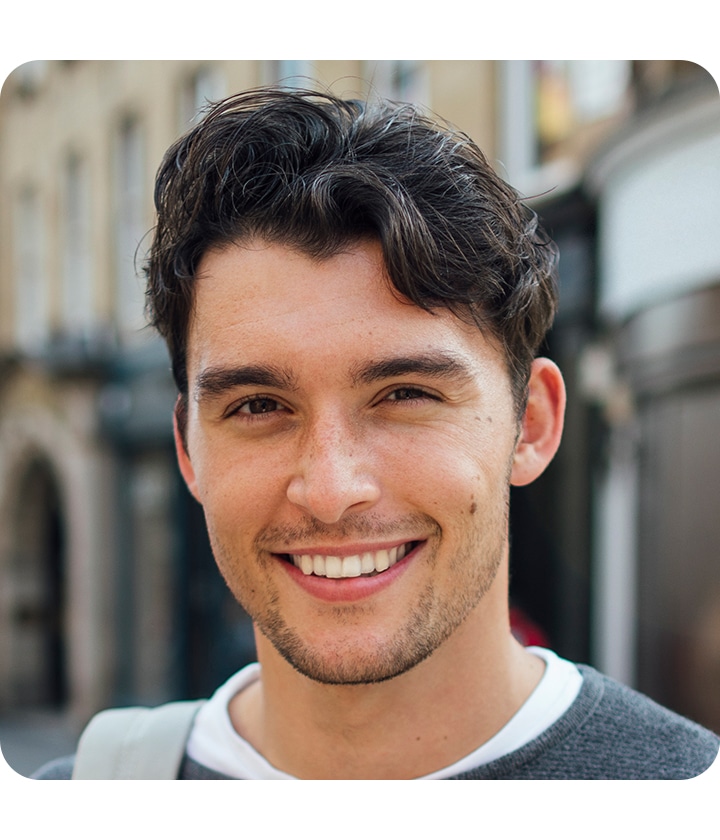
(473, 507)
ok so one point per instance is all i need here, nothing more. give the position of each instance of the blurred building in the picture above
(625, 160)
(108, 592)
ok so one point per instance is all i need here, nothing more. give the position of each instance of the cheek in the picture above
(238, 491)
(477, 451)
(455, 474)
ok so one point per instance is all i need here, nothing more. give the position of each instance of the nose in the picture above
(333, 474)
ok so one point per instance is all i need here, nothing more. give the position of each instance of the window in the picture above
(29, 78)
(31, 302)
(77, 289)
(129, 223)
(403, 81)
(293, 74)
(204, 86)
(551, 111)
(572, 94)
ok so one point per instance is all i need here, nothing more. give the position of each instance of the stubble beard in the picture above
(431, 622)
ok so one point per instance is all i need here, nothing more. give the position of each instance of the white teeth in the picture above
(352, 566)
(333, 567)
(382, 560)
(346, 567)
(367, 563)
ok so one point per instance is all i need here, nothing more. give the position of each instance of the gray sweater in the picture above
(609, 732)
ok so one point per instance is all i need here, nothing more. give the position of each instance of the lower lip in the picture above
(338, 590)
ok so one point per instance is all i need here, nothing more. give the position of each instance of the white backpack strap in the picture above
(135, 743)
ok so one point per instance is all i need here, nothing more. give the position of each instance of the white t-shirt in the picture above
(215, 743)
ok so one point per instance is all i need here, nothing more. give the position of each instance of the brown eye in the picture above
(405, 394)
(259, 405)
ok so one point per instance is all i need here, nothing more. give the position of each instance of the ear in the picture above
(183, 458)
(542, 423)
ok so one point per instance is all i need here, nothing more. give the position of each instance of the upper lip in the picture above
(346, 550)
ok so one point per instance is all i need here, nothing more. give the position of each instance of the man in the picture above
(353, 302)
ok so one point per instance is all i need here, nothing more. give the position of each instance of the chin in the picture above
(370, 660)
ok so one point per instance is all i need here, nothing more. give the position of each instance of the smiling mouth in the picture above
(357, 565)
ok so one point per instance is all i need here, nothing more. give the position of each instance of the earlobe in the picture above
(542, 423)
(184, 463)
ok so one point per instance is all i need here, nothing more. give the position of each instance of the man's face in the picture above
(352, 454)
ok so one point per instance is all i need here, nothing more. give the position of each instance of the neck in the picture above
(402, 728)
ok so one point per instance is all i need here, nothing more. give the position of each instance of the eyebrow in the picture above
(215, 381)
(438, 364)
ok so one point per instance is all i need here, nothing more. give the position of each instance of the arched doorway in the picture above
(37, 638)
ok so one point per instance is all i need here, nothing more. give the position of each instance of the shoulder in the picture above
(639, 737)
(611, 732)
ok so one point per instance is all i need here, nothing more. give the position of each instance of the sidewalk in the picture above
(30, 739)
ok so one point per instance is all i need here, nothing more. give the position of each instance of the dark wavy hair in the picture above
(317, 172)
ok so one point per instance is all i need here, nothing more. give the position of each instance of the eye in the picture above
(258, 405)
(409, 394)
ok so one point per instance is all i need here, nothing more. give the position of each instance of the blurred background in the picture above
(108, 590)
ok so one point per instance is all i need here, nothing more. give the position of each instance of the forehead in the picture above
(258, 300)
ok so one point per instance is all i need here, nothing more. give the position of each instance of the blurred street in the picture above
(109, 591)
(29, 740)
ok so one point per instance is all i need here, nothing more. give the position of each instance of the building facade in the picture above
(108, 592)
